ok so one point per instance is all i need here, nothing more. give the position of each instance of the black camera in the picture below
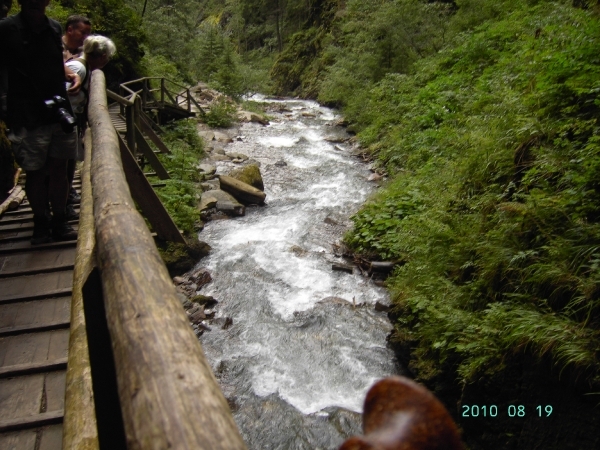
(66, 120)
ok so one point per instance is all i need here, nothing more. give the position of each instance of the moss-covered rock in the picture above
(249, 174)
(205, 300)
(179, 258)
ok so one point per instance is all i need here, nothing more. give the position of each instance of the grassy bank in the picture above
(493, 203)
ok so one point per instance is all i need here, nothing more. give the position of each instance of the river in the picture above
(306, 342)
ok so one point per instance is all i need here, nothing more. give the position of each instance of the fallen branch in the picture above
(13, 201)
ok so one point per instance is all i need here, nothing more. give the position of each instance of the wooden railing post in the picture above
(168, 394)
(130, 123)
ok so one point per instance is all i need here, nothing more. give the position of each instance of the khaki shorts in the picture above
(32, 147)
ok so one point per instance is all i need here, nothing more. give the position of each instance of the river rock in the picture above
(249, 174)
(298, 251)
(207, 201)
(207, 168)
(226, 202)
(218, 157)
(235, 155)
(205, 300)
(207, 135)
(197, 317)
(247, 116)
(244, 192)
(335, 301)
(211, 184)
(222, 137)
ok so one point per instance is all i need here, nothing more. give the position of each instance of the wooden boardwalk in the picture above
(35, 302)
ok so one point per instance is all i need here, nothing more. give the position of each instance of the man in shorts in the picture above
(31, 55)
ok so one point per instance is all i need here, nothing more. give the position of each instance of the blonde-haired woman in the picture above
(97, 51)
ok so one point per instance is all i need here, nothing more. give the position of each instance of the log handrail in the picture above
(79, 424)
(168, 394)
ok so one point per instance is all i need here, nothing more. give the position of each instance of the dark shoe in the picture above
(41, 231)
(62, 231)
(71, 213)
(73, 197)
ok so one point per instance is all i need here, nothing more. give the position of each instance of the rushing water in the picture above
(306, 342)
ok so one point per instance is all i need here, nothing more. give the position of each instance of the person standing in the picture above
(77, 28)
(31, 54)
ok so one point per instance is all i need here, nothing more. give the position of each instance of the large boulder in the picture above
(249, 174)
(243, 192)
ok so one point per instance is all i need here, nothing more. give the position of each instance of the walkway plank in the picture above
(33, 347)
(35, 303)
(34, 314)
(35, 286)
(36, 262)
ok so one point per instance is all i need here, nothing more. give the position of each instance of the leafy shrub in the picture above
(222, 114)
(181, 191)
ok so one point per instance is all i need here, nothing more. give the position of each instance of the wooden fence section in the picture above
(167, 393)
(163, 99)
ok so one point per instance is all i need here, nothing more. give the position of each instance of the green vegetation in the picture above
(180, 195)
(222, 114)
(494, 147)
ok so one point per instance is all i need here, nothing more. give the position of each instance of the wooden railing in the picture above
(158, 97)
(167, 394)
(137, 377)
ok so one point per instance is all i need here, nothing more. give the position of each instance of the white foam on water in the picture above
(267, 285)
(278, 141)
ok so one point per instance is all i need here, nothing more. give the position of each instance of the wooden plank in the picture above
(19, 440)
(16, 235)
(32, 421)
(17, 219)
(25, 246)
(143, 146)
(33, 348)
(35, 286)
(148, 131)
(145, 117)
(48, 260)
(51, 438)
(34, 313)
(31, 368)
(55, 390)
(146, 198)
(29, 328)
(61, 292)
(18, 226)
(20, 397)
